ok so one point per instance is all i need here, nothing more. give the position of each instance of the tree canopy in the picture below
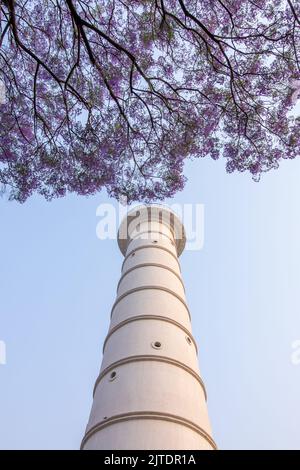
(117, 94)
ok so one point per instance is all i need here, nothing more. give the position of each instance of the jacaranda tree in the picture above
(117, 94)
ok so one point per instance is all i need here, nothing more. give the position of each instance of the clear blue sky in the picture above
(58, 283)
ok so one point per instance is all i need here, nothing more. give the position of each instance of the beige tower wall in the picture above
(149, 393)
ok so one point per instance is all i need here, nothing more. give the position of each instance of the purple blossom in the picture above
(118, 97)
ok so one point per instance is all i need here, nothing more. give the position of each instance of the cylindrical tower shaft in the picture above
(149, 393)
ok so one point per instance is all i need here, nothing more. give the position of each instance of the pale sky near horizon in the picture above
(58, 283)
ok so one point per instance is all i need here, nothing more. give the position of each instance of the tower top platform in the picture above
(151, 215)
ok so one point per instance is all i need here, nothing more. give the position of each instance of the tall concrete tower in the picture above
(149, 393)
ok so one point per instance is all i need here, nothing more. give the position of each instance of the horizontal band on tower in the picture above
(150, 231)
(137, 289)
(150, 246)
(156, 265)
(149, 317)
(151, 415)
(150, 357)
